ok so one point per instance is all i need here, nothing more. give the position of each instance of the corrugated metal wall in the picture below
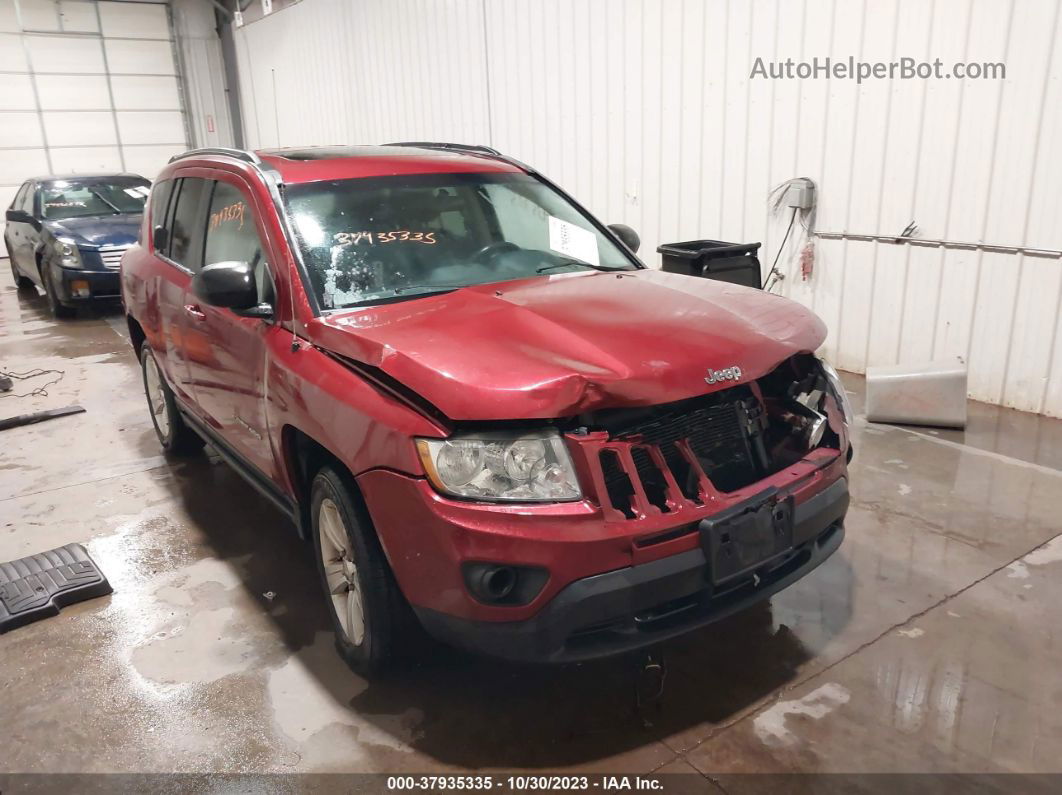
(202, 73)
(645, 110)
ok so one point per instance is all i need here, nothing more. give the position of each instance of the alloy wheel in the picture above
(341, 572)
(156, 395)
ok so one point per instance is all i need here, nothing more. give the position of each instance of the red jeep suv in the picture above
(485, 412)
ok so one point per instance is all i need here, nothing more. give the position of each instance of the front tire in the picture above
(369, 613)
(173, 433)
(59, 309)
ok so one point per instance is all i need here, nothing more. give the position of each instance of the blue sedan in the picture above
(67, 235)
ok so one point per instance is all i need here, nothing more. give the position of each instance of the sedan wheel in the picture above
(21, 282)
(59, 309)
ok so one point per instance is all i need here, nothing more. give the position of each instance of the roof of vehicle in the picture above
(83, 177)
(312, 164)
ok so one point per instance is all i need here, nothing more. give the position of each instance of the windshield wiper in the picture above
(569, 262)
(564, 263)
(397, 291)
(432, 288)
(103, 199)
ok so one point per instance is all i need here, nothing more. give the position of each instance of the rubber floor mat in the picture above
(36, 587)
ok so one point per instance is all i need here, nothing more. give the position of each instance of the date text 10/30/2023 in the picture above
(540, 783)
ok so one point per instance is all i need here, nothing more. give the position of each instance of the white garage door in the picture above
(86, 86)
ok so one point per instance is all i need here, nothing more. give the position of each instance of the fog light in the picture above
(80, 288)
(500, 584)
(496, 582)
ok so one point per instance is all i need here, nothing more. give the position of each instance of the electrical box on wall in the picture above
(800, 194)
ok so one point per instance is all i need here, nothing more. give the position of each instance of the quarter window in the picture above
(232, 236)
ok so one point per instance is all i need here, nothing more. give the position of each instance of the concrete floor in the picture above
(930, 642)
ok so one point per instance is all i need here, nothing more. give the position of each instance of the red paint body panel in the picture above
(427, 536)
(555, 346)
(543, 348)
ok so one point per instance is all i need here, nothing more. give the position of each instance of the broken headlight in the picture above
(837, 388)
(502, 467)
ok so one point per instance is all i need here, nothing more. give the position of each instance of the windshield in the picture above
(70, 199)
(368, 240)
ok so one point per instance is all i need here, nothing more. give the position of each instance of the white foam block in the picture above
(933, 393)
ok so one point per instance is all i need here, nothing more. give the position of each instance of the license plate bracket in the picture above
(745, 537)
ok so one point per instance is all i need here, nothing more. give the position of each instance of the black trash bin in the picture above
(736, 263)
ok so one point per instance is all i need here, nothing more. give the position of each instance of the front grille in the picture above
(663, 452)
(112, 256)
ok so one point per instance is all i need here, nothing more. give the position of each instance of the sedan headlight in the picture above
(69, 256)
(837, 388)
(502, 467)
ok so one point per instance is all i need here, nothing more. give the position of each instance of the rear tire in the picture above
(173, 433)
(21, 282)
(369, 614)
(59, 309)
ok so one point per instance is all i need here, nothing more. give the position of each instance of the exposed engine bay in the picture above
(737, 436)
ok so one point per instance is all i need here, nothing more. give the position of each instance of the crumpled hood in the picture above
(555, 346)
(98, 230)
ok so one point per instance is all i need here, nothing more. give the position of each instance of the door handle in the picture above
(195, 311)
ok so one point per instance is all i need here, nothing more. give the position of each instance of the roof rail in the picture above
(474, 148)
(239, 154)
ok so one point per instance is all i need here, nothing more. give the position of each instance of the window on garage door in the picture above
(187, 222)
(232, 236)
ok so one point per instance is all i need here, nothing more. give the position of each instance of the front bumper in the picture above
(102, 285)
(642, 605)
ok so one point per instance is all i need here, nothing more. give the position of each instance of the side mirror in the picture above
(230, 285)
(627, 235)
(19, 217)
(160, 237)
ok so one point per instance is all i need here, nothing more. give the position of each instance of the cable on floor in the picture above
(41, 390)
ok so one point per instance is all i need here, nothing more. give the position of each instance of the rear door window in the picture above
(232, 236)
(186, 226)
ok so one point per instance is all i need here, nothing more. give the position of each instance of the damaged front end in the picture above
(689, 511)
(662, 459)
